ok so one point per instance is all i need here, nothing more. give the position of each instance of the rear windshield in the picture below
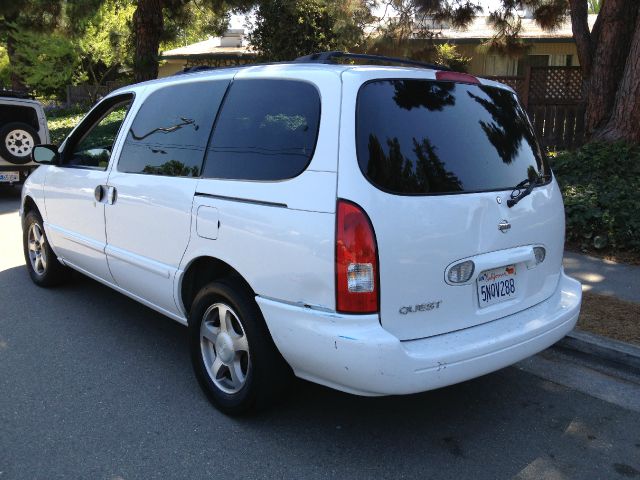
(420, 137)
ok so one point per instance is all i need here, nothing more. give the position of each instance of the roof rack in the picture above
(330, 57)
(8, 93)
(197, 68)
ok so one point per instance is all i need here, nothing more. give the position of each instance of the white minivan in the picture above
(379, 230)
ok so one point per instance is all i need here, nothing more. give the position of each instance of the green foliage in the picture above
(47, 62)
(62, 121)
(191, 22)
(595, 6)
(105, 41)
(4, 67)
(286, 29)
(601, 188)
(447, 54)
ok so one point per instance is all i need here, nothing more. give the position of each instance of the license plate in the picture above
(9, 176)
(497, 285)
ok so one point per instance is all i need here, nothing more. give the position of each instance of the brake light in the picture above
(460, 77)
(357, 282)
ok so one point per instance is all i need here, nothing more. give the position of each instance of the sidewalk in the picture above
(604, 276)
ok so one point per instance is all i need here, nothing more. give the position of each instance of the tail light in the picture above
(357, 281)
(459, 77)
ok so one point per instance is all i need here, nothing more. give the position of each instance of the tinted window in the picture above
(429, 137)
(267, 130)
(170, 132)
(92, 148)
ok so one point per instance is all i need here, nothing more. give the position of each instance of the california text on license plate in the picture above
(497, 285)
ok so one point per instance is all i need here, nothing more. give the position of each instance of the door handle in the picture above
(112, 194)
(98, 193)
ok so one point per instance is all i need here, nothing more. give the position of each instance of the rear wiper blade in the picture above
(522, 189)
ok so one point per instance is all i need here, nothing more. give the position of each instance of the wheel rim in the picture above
(225, 348)
(19, 143)
(37, 252)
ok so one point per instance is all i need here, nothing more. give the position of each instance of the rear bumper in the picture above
(353, 353)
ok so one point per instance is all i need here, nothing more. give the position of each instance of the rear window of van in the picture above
(422, 137)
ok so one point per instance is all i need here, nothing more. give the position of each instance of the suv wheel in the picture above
(233, 356)
(17, 139)
(44, 268)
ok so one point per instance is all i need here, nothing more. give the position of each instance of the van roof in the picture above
(310, 67)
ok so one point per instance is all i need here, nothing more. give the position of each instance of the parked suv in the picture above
(23, 125)
(379, 230)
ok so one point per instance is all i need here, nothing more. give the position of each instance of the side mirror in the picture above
(45, 154)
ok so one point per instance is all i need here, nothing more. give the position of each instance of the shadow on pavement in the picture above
(9, 199)
(97, 386)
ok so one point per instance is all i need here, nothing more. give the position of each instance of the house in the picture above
(230, 49)
(546, 48)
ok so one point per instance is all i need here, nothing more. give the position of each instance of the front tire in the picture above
(42, 264)
(232, 353)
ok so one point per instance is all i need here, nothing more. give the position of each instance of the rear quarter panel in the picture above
(279, 235)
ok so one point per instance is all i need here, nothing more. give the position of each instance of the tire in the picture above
(236, 362)
(42, 264)
(17, 140)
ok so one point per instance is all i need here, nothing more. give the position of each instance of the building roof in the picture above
(231, 44)
(480, 30)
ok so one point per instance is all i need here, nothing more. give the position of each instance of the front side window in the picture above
(170, 132)
(266, 130)
(93, 146)
(421, 137)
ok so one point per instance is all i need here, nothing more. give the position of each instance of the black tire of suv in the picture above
(5, 131)
(268, 375)
(54, 273)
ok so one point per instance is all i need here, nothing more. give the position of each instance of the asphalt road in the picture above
(96, 386)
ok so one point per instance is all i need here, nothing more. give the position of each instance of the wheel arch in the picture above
(29, 205)
(202, 270)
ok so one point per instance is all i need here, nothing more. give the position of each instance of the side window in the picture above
(93, 145)
(170, 132)
(266, 130)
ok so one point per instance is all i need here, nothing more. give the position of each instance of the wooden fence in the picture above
(89, 94)
(553, 99)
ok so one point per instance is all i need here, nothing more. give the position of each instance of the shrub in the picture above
(600, 183)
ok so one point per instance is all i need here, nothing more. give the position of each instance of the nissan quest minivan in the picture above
(379, 230)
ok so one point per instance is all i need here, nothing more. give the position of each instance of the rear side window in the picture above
(170, 132)
(420, 137)
(266, 130)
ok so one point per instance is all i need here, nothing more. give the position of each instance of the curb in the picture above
(604, 348)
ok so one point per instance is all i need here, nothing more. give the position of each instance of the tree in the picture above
(15, 17)
(608, 53)
(104, 41)
(162, 21)
(46, 62)
(286, 29)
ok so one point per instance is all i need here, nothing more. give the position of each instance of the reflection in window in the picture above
(425, 137)
(170, 132)
(266, 130)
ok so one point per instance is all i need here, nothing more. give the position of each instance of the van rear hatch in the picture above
(437, 162)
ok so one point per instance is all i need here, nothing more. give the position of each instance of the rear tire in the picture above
(232, 353)
(42, 264)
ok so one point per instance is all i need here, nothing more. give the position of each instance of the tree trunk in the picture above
(610, 44)
(148, 25)
(624, 123)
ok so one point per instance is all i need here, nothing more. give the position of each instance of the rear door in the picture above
(433, 165)
(148, 222)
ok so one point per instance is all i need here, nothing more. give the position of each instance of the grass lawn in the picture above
(61, 122)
